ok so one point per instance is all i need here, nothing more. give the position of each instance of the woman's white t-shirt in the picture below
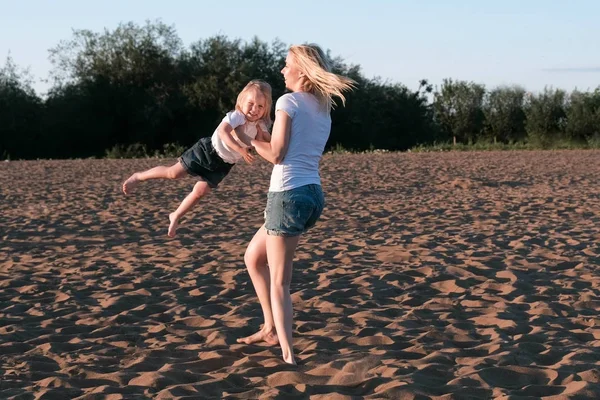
(311, 125)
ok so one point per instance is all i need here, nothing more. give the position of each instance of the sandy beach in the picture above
(430, 276)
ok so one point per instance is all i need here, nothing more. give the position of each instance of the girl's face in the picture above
(254, 105)
(292, 74)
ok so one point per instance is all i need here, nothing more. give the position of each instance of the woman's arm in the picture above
(262, 135)
(275, 150)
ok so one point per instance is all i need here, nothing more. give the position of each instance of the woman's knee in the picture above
(255, 256)
(252, 260)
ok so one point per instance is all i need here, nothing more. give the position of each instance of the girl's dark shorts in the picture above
(202, 160)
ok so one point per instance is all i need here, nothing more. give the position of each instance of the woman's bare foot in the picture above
(268, 336)
(173, 225)
(290, 360)
(130, 183)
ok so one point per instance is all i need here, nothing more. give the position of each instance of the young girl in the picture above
(211, 158)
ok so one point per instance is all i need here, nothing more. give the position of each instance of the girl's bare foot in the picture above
(130, 183)
(173, 225)
(266, 335)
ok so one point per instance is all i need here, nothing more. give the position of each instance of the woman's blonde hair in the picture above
(265, 89)
(319, 80)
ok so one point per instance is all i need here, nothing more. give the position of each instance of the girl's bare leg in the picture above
(256, 263)
(175, 171)
(200, 190)
(280, 256)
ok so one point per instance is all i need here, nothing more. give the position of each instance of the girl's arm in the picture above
(275, 150)
(226, 133)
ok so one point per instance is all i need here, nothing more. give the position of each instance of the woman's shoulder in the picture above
(298, 95)
(296, 98)
(287, 99)
(287, 96)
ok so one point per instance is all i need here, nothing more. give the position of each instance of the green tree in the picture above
(583, 116)
(379, 114)
(20, 114)
(128, 84)
(546, 117)
(130, 53)
(504, 115)
(458, 109)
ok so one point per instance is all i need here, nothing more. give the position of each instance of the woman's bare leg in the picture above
(256, 263)
(280, 256)
(200, 190)
(175, 171)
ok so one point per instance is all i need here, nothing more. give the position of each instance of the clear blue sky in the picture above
(532, 43)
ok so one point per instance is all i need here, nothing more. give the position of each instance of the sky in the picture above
(531, 43)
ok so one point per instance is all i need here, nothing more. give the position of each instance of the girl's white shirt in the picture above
(237, 120)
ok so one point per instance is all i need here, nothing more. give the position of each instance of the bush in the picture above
(139, 150)
(136, 150)
(170, 150)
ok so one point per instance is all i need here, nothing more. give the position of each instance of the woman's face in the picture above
(292, 75)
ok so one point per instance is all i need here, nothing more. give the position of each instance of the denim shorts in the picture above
(202, 160)
(293, 212)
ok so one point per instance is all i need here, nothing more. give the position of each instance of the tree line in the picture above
(138, 86)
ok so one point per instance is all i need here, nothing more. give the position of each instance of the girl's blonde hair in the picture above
(319, 80)
(265, 89)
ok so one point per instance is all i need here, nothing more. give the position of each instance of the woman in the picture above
(295, 200)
